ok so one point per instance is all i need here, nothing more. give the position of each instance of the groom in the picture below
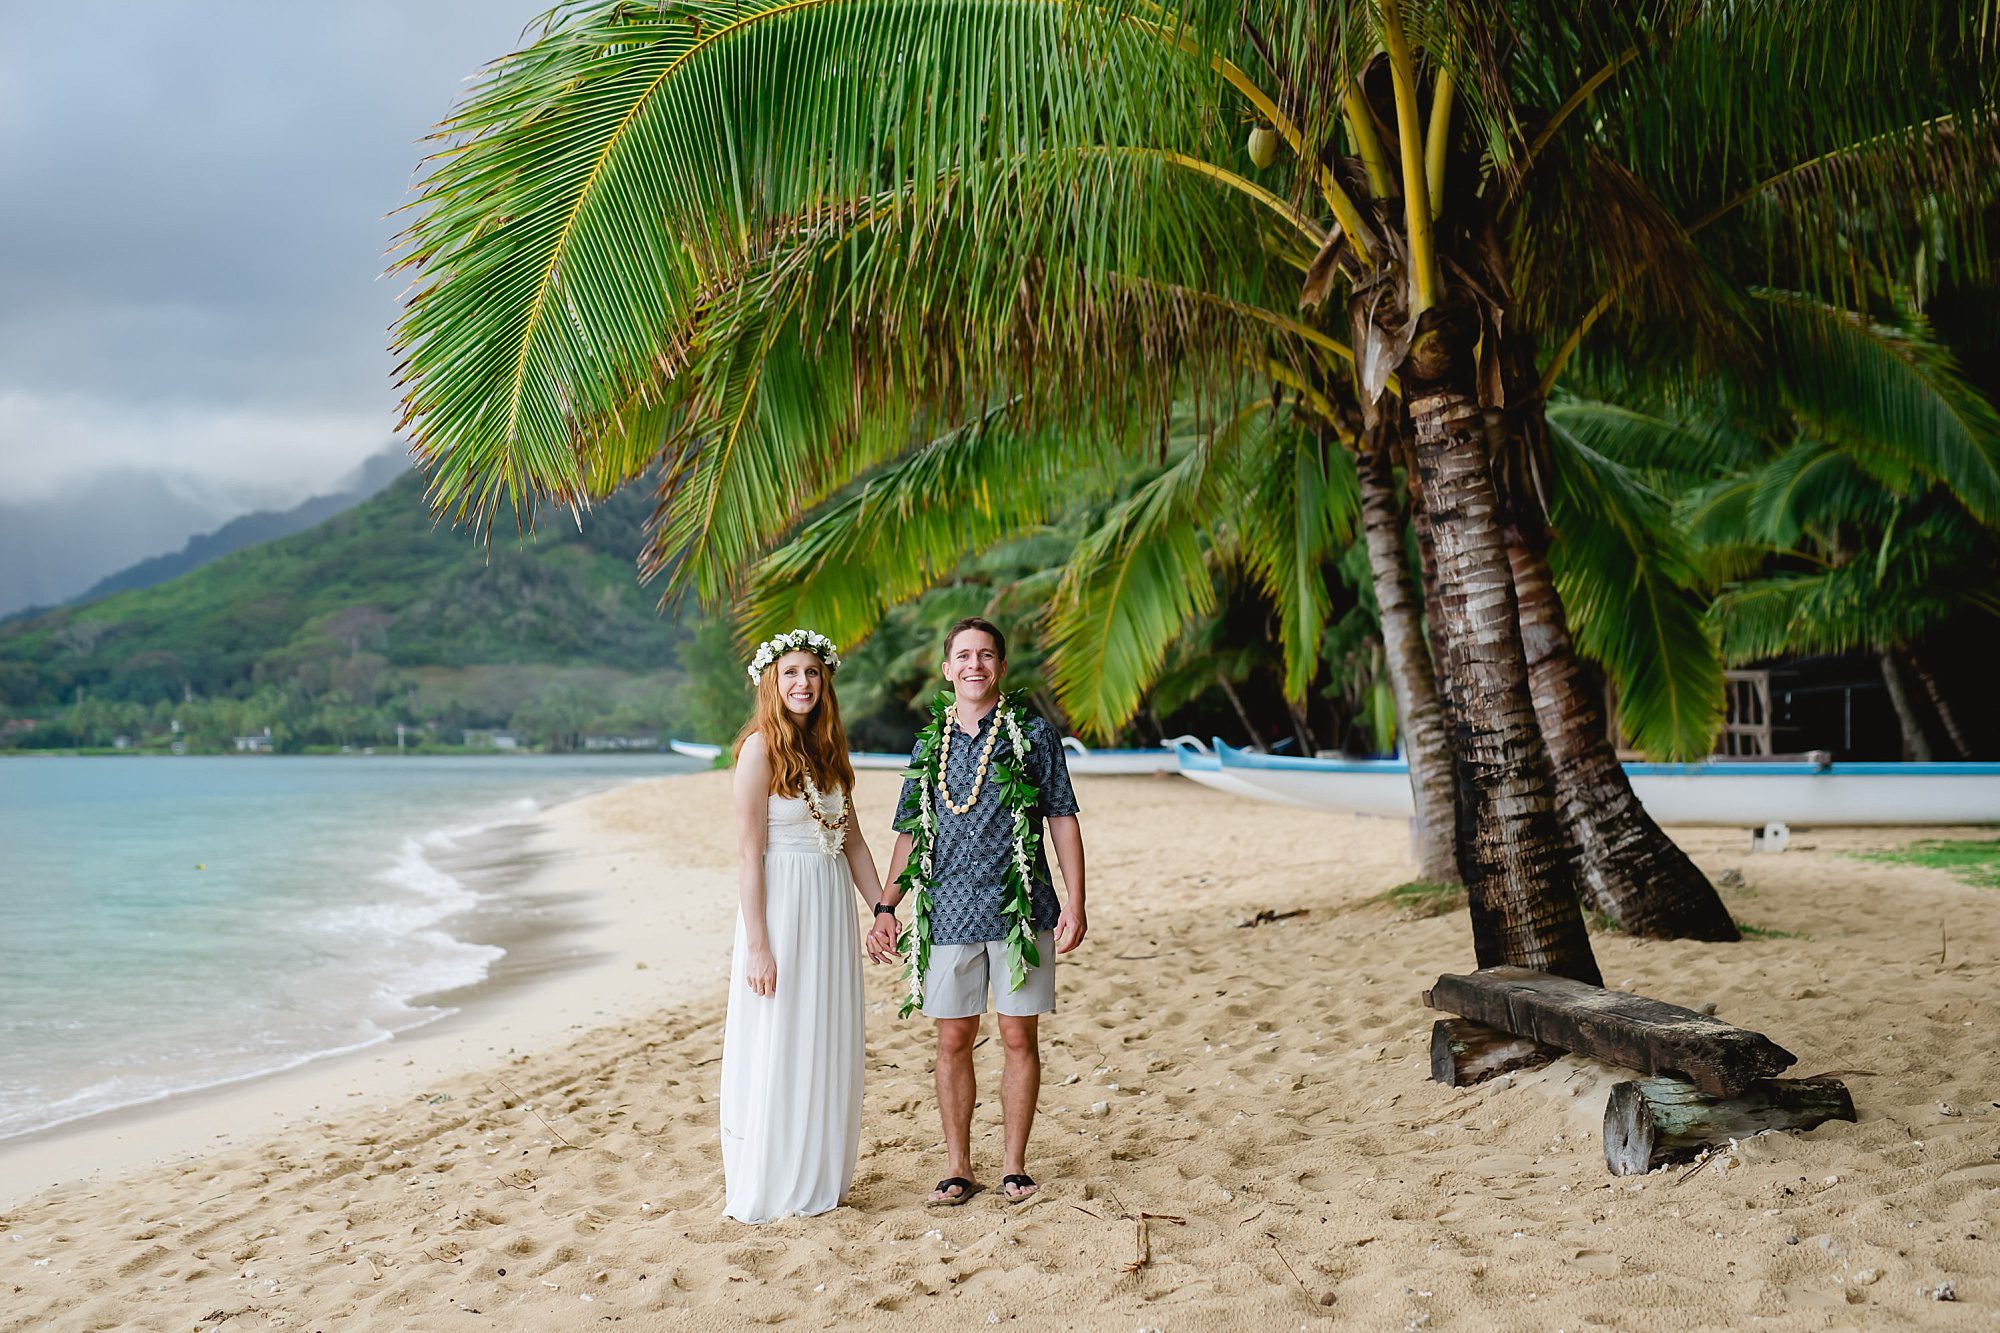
(971, 847)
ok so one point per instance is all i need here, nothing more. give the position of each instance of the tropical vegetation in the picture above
(931, 268)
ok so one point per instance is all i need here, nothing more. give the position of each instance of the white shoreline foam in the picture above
(431, 898)
(621, 905)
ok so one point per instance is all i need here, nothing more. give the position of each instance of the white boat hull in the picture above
(1856, 794)
(860, 759)
(1743, 794)
(1096, 763)
(1119, 763)
(1204, 768)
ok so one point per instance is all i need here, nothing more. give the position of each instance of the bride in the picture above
(791, 1049)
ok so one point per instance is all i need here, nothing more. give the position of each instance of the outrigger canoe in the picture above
(1081, 759)
(1743, 793)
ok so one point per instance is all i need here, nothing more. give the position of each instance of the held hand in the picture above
(1070, 928)
(761, 971)
(881, 941)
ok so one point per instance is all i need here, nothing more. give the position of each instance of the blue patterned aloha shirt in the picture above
(970, 852)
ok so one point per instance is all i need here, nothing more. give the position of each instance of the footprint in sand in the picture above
(143, 1260)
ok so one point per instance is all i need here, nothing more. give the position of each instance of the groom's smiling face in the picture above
(974, 666)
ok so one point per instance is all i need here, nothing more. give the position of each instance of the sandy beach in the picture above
(1259, 1095)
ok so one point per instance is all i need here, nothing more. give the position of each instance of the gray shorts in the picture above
(960, 975)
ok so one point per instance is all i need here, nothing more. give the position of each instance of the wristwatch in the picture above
(884, 908)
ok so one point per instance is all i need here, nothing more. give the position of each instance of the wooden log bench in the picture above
(1648, 1035)
(1712, 1080)
(1650, 1122)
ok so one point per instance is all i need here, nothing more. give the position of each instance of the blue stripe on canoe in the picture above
(1229, 756)
(1755, 768)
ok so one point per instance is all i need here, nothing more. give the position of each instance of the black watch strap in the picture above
(882, 908)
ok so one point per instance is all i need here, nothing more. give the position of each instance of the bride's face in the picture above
(801, 681)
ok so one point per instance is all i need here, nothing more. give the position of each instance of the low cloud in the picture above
(234, 459)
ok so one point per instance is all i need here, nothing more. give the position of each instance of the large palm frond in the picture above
(1895, 392)
(1298, 500)
(1917, 578)
(861, 337)
(1134, 585)
(1627, 585)
(597, 185)
(1652, 442)
(909, 524)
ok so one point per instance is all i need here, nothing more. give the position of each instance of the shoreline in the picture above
(549, 897)
(1261, 1091)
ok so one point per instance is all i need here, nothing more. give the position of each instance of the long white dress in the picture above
(792, 1062)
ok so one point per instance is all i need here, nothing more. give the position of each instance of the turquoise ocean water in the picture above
(320, 916)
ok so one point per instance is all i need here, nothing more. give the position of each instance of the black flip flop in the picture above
(966, 1189)
(1017, 1179)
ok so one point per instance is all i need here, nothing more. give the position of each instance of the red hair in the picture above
(816, 745)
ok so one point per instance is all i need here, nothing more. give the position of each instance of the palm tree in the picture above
(747, 245)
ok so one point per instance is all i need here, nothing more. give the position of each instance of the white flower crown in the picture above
(798, 640)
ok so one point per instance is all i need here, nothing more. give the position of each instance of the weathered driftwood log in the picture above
(1649, 1121)
(1624, 1029)
(1464, 1052)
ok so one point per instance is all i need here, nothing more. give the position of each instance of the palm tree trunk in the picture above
(1517, 869)
(1420, 523)
(1916, 745)
(1419, 716)
(1627, 868)
(1250, 739)
(1939, 703)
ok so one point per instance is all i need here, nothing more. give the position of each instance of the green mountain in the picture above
(384, 469)
(374, 617)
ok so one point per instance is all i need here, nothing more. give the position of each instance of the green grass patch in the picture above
(1751, 932)
(1974, 860)
(1424, 898)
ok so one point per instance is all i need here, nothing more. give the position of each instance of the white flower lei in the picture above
(796, 640)
(918, 879)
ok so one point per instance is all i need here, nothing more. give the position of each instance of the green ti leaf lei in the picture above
(917, 880)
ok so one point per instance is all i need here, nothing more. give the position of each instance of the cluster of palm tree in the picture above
(866, 285)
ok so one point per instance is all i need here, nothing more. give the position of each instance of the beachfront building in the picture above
(478, 738)
(258, 744)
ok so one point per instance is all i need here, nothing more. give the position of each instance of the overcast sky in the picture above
(194, 215)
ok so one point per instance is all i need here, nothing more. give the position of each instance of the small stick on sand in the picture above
(1288, 1264)
(531, 1110)
(1267, 916)
(1697, 1164)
